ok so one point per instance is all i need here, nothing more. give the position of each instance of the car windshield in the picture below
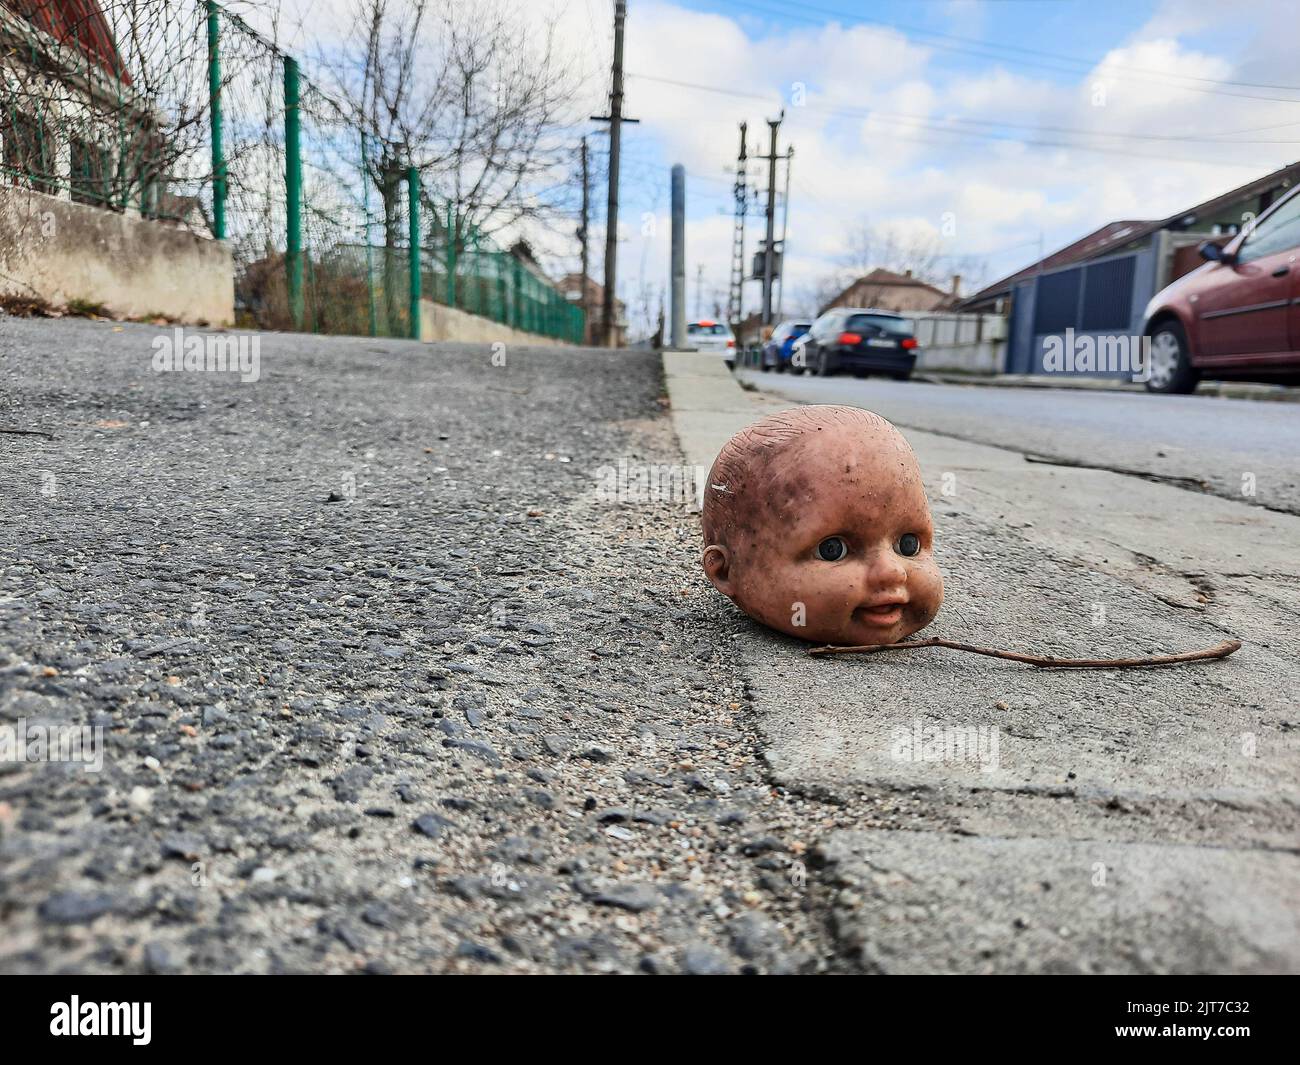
(882, 323)
(707, 329)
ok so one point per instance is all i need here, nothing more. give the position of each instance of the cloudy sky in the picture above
(989, 125)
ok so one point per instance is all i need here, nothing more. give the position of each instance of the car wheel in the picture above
(902, 375)
(780, 367)
(1171, 370)
(822, 365)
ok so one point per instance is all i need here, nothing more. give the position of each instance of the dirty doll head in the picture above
(816, 524)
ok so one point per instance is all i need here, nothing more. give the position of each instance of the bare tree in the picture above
(504, 133)
(872, 247)
(869, 247)
(920, 254)
(475, 96)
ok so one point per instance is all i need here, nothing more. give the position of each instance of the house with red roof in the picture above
(86, 219)
(887, 290)
(70, 112)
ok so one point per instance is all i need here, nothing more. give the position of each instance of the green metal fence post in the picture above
(370, 252)
(413, 219)
(293, 190)
(214, 103)
(475, 303)
(451, 255)
(516, 298)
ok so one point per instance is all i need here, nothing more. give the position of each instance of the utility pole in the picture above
(679, 257)
(699, 291)
(785, 224)
(769, 249)
(615, 119)
(735, 301)
(584, 301)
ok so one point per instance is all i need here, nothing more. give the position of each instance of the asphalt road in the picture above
(383, 683)
(1185, 439)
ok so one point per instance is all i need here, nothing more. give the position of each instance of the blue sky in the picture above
(990, 126)
(1021, 23)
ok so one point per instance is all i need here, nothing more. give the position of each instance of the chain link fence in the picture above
(184, 114)
(461, 268)
(103, 104)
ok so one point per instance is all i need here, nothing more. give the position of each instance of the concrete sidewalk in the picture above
(1129, 821)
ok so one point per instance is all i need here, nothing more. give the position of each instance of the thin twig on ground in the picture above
(1221, 650)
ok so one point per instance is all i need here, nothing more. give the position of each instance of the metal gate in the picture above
(1104, 297)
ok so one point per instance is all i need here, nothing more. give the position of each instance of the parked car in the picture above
(1236, 316)
(862, 340)
(712, 338)
(779, 348)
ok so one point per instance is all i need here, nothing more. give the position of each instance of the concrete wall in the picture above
(438, 322)
(964, 343)
(986, 357)
(61, 252)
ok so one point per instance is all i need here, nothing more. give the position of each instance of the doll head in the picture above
(816, 524)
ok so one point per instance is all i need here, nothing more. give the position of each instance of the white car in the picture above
(712, 338)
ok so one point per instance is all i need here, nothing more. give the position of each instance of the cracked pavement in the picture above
(1136, 821)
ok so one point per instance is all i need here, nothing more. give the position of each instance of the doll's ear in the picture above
(717, 566)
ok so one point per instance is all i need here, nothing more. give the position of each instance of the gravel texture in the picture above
(385, 685)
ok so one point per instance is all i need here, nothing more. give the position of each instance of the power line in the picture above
(849, 111)
(986, 50)
(1071, 146)
(934, 127)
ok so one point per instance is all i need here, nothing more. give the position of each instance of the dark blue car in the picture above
(777, 351)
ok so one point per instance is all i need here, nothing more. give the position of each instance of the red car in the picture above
(1238, 315)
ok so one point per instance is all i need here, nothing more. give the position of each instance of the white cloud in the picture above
(865, 146)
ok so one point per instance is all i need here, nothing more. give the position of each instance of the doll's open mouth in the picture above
(882, 614)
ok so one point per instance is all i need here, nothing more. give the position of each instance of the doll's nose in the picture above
(885, 570)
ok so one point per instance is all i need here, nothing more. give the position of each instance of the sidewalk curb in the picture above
(1260, 393)
(707, 405)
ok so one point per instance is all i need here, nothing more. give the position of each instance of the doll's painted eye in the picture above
(909, 544)
(832, 549)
